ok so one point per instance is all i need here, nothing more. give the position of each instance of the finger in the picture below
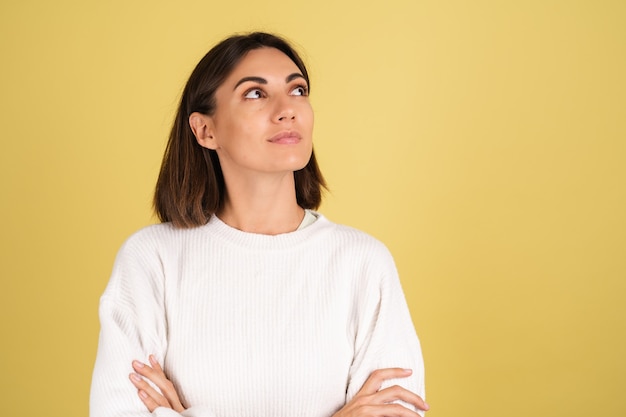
(376, 379)
(157, 377)
(397, 392)
(150, 404)
(165, 385)
(149, 396)
(387, 410)
(155, 364)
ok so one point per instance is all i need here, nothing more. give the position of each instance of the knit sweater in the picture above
(250, 325)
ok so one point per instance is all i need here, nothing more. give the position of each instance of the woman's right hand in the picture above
(371, 401)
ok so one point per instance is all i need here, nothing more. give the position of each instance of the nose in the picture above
(284, 111)
(284, 117)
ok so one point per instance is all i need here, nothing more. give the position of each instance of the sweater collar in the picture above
(221, 230)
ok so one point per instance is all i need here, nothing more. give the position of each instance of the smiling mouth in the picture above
(286, 138)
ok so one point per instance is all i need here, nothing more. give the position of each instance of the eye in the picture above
(300, 90)
(253, 93)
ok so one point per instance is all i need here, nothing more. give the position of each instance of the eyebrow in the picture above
(261, 80)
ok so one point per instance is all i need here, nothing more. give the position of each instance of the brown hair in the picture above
(190, 188)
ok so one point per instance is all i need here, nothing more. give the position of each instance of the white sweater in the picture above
(250, 325)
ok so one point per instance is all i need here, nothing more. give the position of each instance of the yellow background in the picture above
(483, 141)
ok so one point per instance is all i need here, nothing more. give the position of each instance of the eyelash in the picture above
(305, 92)
(245, 95)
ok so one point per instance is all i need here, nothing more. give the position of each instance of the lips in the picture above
(286, 138)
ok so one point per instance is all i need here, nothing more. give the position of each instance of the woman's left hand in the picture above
(152, 399)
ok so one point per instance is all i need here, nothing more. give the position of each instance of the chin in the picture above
(297, 162)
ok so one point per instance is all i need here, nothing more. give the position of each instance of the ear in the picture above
(203, 130)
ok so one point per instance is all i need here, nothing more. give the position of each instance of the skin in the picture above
(152, 399)
(262, 132)
(370, 401)
(264, 96)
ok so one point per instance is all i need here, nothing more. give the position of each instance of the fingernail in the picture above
(408, 371)
(426, 405)
(138, 364)
(152, 359)
(143, 394)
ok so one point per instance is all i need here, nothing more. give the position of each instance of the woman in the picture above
(255, 304)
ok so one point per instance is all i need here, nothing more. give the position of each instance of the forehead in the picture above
(263, 62)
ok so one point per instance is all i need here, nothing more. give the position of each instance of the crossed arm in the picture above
(370, 401)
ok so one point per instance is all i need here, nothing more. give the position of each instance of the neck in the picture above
(266, 205)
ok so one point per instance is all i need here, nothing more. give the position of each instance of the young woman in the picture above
(254, 304)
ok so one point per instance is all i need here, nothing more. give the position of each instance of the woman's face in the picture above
(263, 121)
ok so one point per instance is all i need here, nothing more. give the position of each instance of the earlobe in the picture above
(202, 128)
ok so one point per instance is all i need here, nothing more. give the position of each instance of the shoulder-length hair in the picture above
(190, 187)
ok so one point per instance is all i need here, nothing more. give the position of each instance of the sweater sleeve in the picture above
(132, 326)
(385, 336)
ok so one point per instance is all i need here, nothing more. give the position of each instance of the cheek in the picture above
(234, 129)
(307, 117)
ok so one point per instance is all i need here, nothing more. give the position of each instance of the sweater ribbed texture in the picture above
(250, 325)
